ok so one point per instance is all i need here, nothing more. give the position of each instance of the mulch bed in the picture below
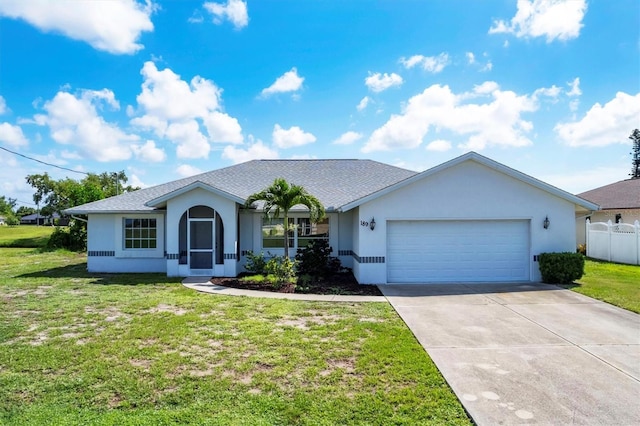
(336, 284)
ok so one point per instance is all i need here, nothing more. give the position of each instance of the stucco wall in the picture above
(226, 208)
(466, 191)
(105, 246)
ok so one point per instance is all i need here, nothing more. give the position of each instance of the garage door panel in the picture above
(441, 251)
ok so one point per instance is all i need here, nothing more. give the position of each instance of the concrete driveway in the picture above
(528, 353)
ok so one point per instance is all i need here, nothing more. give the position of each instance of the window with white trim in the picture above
(301, 232)
(140, 233)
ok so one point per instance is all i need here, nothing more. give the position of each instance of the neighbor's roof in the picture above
(334, 182)
(620, 195)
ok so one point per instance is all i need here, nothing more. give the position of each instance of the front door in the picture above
(201, 245)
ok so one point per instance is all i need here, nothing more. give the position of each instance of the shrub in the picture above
(561, 268)
(255, 263)
(282, 268)
(59, 239)
(315, 259)
(73, 238)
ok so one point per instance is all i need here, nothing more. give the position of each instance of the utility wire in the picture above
(43, 162)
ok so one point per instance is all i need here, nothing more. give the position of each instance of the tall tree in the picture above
(57, 195)
(6, 209)
(635, 154)
(280, 197)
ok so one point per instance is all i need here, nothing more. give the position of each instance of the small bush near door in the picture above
(561, 268)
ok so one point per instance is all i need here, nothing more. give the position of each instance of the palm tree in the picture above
(280, 197)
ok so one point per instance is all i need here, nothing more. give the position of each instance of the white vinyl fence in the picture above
(615, 242)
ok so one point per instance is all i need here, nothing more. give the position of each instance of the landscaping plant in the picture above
(561, 268)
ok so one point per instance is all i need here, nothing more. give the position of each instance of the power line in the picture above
(43, 162)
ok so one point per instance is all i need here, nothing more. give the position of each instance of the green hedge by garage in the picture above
(561, 268)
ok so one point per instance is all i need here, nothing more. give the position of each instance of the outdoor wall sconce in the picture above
(372, 224)
(546, 223)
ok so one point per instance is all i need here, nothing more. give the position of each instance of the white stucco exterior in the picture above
(468, 190)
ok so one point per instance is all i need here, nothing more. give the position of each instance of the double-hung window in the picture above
(140, 233)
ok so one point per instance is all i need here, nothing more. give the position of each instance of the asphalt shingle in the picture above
(334, 182)
(620, 195)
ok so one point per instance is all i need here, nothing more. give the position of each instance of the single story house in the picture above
(619, 203)
(38, 219)
(470, 219)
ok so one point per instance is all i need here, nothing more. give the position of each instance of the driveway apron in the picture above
(528, 353)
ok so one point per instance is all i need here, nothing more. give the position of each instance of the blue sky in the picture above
(167, 89)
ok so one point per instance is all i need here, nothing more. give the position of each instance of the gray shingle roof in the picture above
(620, 195)
(334, 182)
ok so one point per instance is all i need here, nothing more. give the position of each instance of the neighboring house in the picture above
(38, 219)
(619, 202)
(3, 220)
(470, 219)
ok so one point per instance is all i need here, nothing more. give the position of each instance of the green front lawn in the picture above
(611, 282)
(25, 235)
(77, 348)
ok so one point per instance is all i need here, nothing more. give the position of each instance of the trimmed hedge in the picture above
(561, 268)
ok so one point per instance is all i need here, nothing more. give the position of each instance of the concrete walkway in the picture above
(204, 285)
(528, 354)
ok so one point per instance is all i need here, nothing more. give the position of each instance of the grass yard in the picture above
(25, 235)
(611, 282)
(140, 349)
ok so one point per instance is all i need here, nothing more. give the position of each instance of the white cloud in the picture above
(497, 122)
(166, 96)
(186, 170)
(487, 67)
(180, 111)
(134, 181)
(112, 26)
(191, 142)
(149, 152)
(223, 128)
(554, 19)
(439, 145)
(550, 92)
(603, 125)
(575, 87)
(292, 137)
(255, 151)
(290, 81)
(364, 102)
(12, 135)
(378, 82)
(471, 58)
(348, 138)
(233, 10)
(432, 64)
(74, 120)
(3, 106)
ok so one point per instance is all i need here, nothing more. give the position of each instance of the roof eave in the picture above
(161, 201)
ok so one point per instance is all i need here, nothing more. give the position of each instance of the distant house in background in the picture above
(619, 202)
(3, 220)
(38, 219)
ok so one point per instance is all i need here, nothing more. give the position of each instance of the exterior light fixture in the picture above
(546, 223)
(372, 224)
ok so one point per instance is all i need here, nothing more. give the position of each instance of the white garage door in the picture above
(457, 251)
